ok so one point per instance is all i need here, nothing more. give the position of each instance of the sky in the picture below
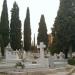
(37, 7)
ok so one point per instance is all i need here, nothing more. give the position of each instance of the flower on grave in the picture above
(19, 64)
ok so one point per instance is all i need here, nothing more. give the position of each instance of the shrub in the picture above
(54, 50)
(71, 61)
(19, 64)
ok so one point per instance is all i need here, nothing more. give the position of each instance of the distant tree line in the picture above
(12, 32)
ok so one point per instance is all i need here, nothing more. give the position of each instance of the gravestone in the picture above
(61, 55)
(59, 60)
(55, 57)
(51, 61)
(20, 54)
(11, 56)
(24, 55)
(42, 60)
(41, 46)
(73, 54)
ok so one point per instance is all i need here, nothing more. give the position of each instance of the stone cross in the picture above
(41, 46)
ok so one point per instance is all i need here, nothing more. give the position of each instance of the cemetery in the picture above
(19, 63)
(45, 53)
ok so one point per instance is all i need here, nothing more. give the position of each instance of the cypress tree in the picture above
(4, 27)
(27, 32)
(15, 28)
(64, 27)
(42, 32)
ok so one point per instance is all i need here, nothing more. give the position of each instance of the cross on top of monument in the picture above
(41, 46)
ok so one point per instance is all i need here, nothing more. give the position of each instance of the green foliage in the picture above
(71, 61)
(64, 27)
(19, 64)
(27, 32)
(42, 32)
(53, 50)
(2, 45)
(15, 28)
(4, 27)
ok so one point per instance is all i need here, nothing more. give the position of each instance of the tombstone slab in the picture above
(41, 46)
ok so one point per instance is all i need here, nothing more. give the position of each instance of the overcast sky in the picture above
(37, 7)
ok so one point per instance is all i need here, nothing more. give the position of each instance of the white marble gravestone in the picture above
(61, 55)
(20, 54)
(41, 59)
(51, 61)
(55, 57)
(24, 55)
(41, 46)
(59, 60)
(11, 56)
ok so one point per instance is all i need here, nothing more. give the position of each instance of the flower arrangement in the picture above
(19, 64)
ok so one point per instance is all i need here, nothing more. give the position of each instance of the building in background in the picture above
(50, 40)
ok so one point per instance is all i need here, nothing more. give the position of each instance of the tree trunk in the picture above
(66, 53)
(70, 51)
(2, 47)
(2, 50)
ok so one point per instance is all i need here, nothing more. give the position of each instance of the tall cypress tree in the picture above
(64, 26)
(15, 28)
(42, 32)
(4, 27)
(27, 32)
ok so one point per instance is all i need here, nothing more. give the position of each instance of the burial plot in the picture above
(60, 61)
(41, 47)
(43, 61)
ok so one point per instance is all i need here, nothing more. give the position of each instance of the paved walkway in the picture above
(39, 71)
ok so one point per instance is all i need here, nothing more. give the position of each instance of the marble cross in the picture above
(41, 47)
